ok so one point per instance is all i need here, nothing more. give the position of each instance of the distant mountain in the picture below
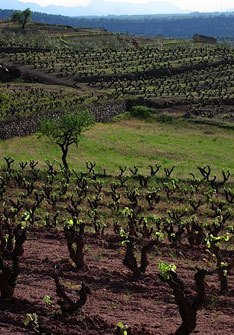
(98, 8)
(170, 25)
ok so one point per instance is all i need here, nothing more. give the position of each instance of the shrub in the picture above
(141, 112)
(164, 118)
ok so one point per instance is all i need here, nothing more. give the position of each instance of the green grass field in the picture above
(132, 142)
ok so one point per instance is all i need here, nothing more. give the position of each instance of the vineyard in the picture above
(139, 251)
(113, 233)
(158, 72)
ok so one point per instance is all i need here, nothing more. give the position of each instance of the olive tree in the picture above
(66, 130)
(21, 17)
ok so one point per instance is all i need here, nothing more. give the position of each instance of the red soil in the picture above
(147, 306)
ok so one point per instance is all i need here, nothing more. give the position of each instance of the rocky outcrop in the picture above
(8, 73)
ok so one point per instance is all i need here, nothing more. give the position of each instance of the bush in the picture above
(164, 118)
(141, 112)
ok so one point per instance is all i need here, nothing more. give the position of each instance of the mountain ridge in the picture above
(99, 8)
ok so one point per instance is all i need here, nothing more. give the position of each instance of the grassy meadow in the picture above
(129, 142)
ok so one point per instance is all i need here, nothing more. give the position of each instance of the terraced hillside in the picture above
(52, 68)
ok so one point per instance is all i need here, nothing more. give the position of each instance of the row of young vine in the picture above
(138, 213)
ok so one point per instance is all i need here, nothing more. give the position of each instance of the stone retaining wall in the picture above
(29, 125)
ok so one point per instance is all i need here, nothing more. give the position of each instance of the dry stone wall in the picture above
(27, 126)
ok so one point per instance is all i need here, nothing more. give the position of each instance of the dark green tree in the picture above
(21, 17)
(66, 130)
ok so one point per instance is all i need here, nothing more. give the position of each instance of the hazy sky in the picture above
(195, 5)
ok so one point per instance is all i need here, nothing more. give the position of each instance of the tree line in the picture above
(185, 26)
